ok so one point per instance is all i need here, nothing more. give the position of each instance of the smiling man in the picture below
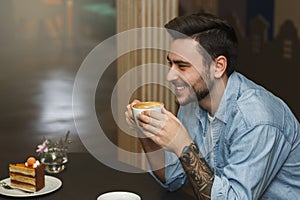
(231, 139)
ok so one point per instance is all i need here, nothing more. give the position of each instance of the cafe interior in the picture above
(62, 75)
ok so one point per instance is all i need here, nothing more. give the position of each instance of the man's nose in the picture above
(172, 74)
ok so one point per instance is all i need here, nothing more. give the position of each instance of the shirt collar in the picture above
(226, 104)
(229, 97)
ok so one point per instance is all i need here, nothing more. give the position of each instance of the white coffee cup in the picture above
(142, 106)
(119, 195)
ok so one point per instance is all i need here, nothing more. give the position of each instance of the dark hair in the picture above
(214, 34)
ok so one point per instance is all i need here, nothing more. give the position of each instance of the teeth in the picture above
(180, 88)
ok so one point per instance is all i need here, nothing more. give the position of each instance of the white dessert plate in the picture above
(51, 184)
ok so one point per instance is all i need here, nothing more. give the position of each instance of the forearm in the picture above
(156, 159)
(199, 174)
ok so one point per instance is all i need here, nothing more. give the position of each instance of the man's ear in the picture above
(220, 66)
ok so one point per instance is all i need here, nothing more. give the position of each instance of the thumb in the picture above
(165, 111)
(170, 114)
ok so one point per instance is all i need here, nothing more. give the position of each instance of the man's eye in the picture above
(182, 65)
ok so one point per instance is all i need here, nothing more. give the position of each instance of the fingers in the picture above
(129, 118)
(152, 122)
(166, 112)
(135, 101)
(170, 115)
(147, 131)
(148, 134)
(153, 130)
(129, 108)
(153, 114)
(151, 117)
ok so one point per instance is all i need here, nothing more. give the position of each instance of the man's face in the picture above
(187, 73)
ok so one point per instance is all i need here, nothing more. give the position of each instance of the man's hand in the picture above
(165, 130)
(129, 116)
(156, 160)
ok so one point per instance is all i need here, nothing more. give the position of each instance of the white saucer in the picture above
(119, 195)
(51, 184)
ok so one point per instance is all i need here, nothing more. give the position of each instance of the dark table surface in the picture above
(86, 178)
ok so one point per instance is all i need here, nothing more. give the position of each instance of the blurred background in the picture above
(44, 42)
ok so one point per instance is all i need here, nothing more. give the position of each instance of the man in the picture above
(232, 139)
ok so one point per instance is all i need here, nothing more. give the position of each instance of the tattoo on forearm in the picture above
(197, 171)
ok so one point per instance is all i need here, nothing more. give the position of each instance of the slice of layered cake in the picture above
(28, 176)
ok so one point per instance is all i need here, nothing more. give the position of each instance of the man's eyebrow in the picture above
(177, 61)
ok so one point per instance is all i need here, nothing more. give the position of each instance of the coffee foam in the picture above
(148, 105)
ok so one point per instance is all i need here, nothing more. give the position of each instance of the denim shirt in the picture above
(255, 144)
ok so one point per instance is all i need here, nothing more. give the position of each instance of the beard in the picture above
(199, 90)
(207, 85)
(202, 94)
(195, 95)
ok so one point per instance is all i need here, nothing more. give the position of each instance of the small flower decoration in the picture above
(43, 148)
(49, 144)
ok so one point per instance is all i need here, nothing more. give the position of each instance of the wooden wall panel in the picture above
(137, 14)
